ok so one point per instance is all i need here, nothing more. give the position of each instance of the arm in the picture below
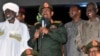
(78, 41)
(31, 42)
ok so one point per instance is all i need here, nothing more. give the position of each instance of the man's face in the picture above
(9, 14)
(73, 11)
(21, 17)
(90, 11)
(46, 13)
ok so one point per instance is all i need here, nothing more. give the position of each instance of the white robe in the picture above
(13, 38)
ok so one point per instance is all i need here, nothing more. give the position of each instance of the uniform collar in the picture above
(94, 21)
(77, 23)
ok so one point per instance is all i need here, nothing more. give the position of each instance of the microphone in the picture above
(45, 22)
(43, 25)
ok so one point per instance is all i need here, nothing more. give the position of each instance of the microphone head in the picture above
(45, 22)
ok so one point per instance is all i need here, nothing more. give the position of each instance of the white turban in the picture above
(12, 6)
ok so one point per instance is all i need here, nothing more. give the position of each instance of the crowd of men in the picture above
(49, 37)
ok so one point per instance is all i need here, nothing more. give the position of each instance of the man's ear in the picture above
(96, 10)
(52, 13)
(79, 11)
(23, 16)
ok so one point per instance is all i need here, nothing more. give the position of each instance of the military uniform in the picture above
(49, 44)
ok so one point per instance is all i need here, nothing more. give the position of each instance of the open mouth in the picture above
(7, 15)
(45, 15)
(89, 14)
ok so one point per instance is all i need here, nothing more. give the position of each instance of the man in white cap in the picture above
(13, 34)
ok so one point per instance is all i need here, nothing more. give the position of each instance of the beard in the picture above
(9, 17)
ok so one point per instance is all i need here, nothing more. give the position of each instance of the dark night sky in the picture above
(60, 13)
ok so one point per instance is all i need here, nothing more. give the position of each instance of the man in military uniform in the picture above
(47, 37)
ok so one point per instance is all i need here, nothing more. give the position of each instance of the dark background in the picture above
(60, 13)
(60, 8)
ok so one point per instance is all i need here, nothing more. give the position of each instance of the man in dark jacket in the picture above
(47, 36)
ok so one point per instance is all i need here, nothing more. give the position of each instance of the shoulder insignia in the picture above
(57, 22)
(36, 23)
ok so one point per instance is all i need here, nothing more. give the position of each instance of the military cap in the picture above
(22, 10)
(90, 45)
(45, 5)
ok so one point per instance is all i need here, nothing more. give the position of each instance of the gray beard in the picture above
(9, 18)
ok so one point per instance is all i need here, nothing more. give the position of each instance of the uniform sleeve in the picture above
(78, 41)
(31, 43)
(59, 34)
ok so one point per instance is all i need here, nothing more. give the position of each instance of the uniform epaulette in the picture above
(36, 23)
(57, 22)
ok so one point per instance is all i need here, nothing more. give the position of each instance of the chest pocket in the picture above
(72, 31)
(53, 27)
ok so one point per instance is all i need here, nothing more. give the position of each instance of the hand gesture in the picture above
(44, 30)
(36, 34)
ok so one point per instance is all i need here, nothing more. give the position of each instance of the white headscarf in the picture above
(12, 6)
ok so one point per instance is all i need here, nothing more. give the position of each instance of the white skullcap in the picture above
(12, 6)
